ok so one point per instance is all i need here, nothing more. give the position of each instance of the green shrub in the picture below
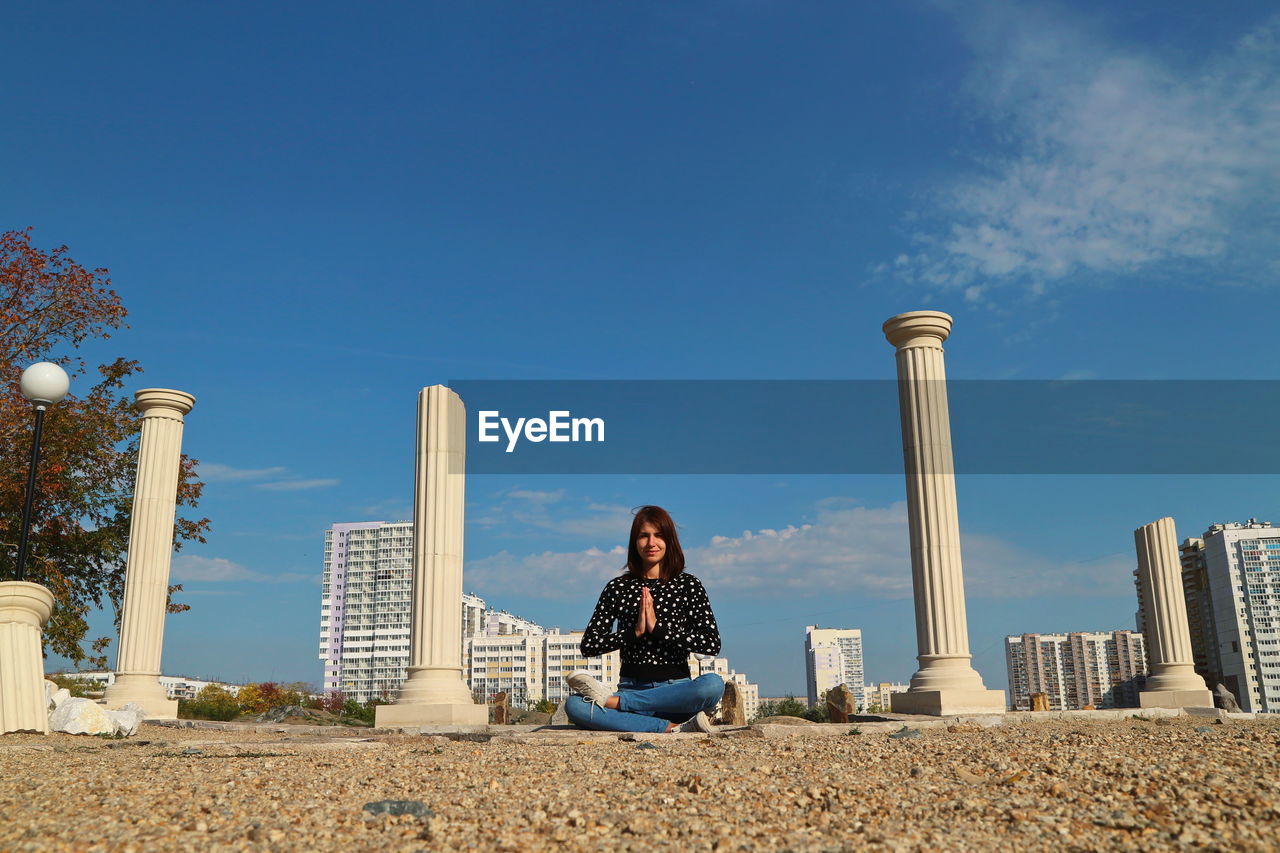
(793, 707)
(211, 703)
(354, 713)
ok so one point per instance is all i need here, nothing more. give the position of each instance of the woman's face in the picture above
(652, 548)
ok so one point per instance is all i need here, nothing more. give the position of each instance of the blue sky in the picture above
(312, 211)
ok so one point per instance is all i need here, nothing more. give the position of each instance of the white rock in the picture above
(81, 717)
(54, 695)
(127, 719)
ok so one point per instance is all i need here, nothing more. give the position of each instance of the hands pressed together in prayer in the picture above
(648, 617)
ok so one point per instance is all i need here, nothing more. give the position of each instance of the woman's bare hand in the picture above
(642, 622)
(650, 614)
(647, 618)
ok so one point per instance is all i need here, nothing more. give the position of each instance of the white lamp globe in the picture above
(45, 383)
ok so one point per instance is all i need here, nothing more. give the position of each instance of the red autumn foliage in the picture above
(49, 306)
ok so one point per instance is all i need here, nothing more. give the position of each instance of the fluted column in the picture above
(1172, 681)
(24, 610)
(146, 579)
(435, 691)
(946, 682)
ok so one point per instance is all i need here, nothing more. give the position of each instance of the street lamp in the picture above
(25, 607)
(44, 384)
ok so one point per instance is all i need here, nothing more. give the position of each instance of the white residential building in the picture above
(532, 667)
(878, 694)
(499, 623)
(365, 609)
(511, 664)
(1102, 669)
(563, 656)
(833, 656)
(474, 615)
(1231, 579)
(175, 686)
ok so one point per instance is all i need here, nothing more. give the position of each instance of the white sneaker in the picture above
(585, 685)
(697, 723)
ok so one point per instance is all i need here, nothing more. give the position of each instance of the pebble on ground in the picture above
(1123, 785)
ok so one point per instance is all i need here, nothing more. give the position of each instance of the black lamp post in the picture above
(44, 384)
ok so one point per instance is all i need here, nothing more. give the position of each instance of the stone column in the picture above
(434, 691)
(946, 682)
(146, 578)
(1172, 681)
(24, 610)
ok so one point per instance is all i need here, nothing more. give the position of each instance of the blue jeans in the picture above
(648, 706)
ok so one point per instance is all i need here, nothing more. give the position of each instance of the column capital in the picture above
(917, 328)
(180, 402)
(23, 601)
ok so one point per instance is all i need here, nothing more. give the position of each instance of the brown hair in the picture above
(673, 559)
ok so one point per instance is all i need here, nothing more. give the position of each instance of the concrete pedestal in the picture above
(435, 691)
(24, 610)
(436, 713)
(144, 689)
(1175, 699)
(946, 703)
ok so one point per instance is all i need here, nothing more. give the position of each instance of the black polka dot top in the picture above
(685, 624)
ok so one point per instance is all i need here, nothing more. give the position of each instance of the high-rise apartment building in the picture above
(1200, 622)
(1231, 581)
(833, 656)
(511, 664)
(1105, 670)
(531, 667)
(365, 609)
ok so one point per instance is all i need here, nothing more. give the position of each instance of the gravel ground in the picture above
(1133, 784)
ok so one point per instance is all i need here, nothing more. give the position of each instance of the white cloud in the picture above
(1115, 160)
(189, 568)
(297, 485)
(521, 509)
(546, 575)
(852, 550)
(536, 497)
(212, 472)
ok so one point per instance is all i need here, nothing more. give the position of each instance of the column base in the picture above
(1175, 699)
(146, 691)
(434, 685)
(24, 609)
(946, 703)
(415, 714)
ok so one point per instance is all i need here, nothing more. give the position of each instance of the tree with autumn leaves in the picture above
(49, 307)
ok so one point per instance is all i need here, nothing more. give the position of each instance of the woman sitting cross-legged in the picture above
(656, 614)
